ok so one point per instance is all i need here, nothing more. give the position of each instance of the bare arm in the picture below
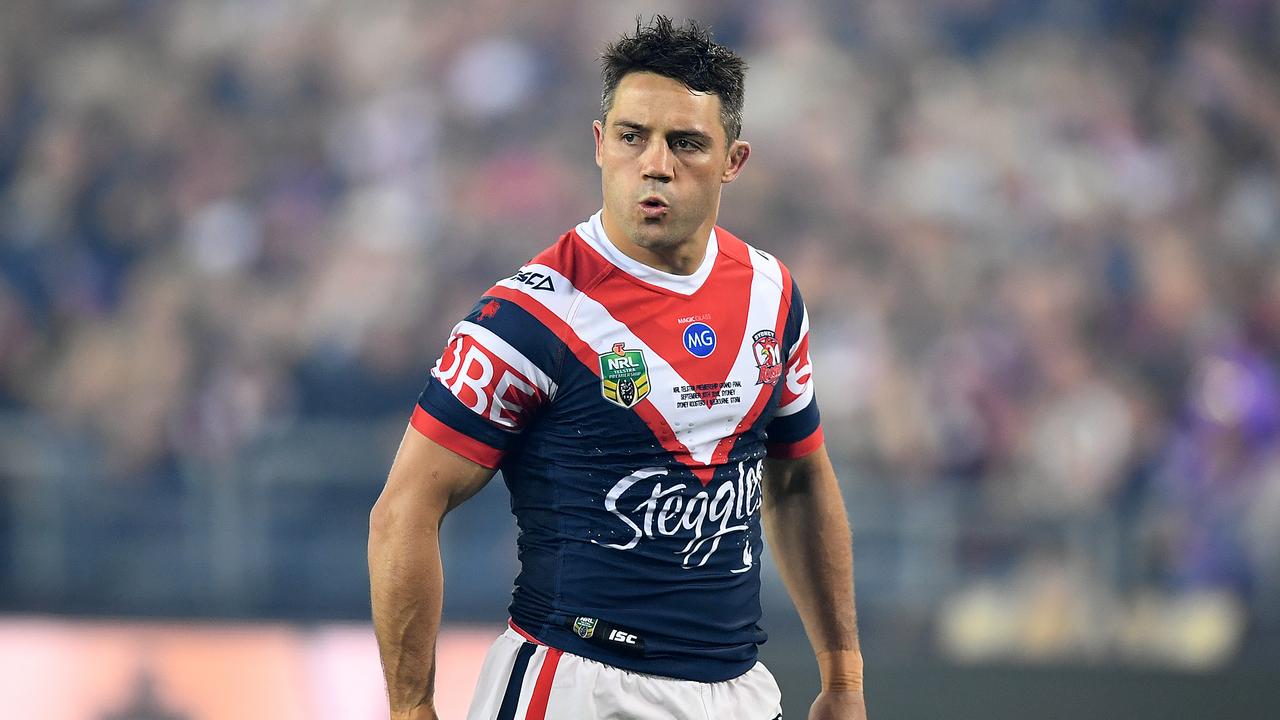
(405, 575)
(804, 519)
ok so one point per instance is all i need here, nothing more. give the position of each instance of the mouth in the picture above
(653, 207)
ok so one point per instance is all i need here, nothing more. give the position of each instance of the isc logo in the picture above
(622, 637)
(699, 339)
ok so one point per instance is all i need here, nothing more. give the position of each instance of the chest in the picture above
(696, 372)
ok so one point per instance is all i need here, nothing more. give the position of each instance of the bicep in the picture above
(428, 480)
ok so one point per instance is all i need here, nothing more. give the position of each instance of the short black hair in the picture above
(688, 54)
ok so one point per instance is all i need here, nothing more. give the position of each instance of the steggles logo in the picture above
(665, 512)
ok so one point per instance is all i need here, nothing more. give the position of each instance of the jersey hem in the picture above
(699, 669)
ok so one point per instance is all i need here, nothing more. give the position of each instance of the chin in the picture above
(654, 236)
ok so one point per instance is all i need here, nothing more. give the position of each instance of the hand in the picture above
(839, 705)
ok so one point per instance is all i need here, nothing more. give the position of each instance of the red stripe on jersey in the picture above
(721, 453)
(588, 357)
(542, 689)
(704, 473)
(464, 445)
(660, 320)
(582, 269)
(595, 276)
(797, 449)
(732, 246)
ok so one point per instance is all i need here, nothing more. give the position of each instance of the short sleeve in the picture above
(495, 374)
(796, 427)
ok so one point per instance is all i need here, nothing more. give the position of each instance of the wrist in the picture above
(841, 670)
(419, 712)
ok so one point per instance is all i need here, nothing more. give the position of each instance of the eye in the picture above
(630, 138)
(685, 144)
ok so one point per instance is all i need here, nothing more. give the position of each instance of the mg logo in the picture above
(699, 339)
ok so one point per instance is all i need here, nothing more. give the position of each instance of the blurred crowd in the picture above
(1039, 241)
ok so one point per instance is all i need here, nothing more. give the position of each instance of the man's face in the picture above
(663, 155)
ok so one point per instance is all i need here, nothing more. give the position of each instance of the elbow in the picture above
(384, 521)
(395, 516)
(379, 523)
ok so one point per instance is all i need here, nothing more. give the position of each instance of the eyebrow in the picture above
(678, 133)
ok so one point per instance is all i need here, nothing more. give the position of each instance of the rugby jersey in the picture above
(630, 410)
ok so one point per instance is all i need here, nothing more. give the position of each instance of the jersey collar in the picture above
(592, 232)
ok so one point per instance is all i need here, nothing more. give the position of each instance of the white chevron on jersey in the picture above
(699, 429)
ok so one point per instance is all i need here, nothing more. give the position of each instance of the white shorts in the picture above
(523, 680)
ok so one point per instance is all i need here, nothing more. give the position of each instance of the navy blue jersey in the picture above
(630, 411)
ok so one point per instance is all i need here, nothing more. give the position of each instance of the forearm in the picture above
(406, 582)
(810, 540)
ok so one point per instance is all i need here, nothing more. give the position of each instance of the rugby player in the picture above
(645, 386)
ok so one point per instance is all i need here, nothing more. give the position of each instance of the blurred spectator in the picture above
(1039, 240)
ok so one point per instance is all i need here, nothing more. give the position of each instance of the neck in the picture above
(682, 257)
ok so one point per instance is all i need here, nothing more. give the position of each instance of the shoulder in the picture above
(565, 269)
(763, 264)
(531, 310)
(552, 278)
(520, 318)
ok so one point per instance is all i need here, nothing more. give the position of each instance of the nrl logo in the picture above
(585, 627)
(624, 378)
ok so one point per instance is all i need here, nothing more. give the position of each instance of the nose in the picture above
(657, 162)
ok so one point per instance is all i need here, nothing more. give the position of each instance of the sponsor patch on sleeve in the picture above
(487, 383)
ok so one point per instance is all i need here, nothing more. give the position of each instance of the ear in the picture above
(739, 151)
(598, 131)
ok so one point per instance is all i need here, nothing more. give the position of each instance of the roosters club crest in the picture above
(768, 353)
